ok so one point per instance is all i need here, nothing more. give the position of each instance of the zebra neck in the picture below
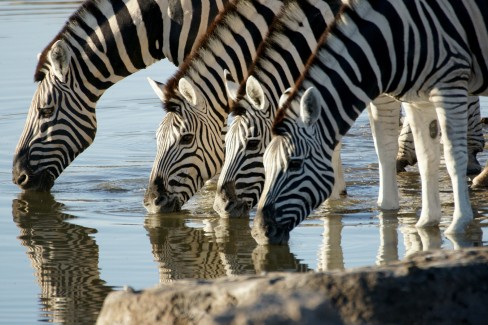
(284, 53)
(232, 44)
(111, 40)
(355, 62)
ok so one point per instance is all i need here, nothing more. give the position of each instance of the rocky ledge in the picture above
(436, 287)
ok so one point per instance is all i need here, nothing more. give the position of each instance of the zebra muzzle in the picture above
(227, 204)
(160, 201)
(26, 178)
(266, 231)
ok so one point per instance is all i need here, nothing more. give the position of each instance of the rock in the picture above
(436, 287)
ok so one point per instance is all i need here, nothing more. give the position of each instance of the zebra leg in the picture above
(406, 148)
(384, 113)
(482, 179)
(423, 122)
(476, 140)
(453, 121)
(339, 182)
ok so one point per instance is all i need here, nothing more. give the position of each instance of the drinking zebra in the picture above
(242, 177)
(190, 146)
(417, 51)
(253, 105)
(101, 43)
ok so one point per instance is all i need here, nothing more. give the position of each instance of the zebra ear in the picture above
(231, 86)
(188, 91)
(255, 92)
(310, 106)
(157, 87)
(60, 55)
(284, 97)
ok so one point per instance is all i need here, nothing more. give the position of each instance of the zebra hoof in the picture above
(481, 181)
(401, 164)
(458, 227)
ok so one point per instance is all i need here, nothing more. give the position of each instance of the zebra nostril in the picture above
(160, 200)
(22, 179)
(228, 192)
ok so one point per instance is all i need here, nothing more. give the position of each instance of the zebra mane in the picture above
(268, 43)
(171, 86)
(77, 16)
(281, 114)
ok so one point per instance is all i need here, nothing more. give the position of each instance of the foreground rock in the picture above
(441, 287)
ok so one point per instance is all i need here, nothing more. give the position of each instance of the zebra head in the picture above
(60, 124)
(298, 171)
(190, 148)
(242, 177)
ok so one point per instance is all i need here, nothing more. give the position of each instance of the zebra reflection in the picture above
(64, 257)
(217, 247)
(331, 255)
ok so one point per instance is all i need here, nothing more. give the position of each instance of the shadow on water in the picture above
(222, 247)
(64, 257)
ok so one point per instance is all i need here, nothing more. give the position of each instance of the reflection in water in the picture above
(64, 257)
(431, 238)
(330, 255)
(223, 247)
(388, 250)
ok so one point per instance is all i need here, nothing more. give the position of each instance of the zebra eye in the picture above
(252, 144)
(46, 112)
(186, 139)
(295, 164)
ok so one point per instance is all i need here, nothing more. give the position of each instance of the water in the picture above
(63, 252)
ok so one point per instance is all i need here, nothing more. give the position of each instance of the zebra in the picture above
(415, 51)
(476, 142)
(242, 176)
(101, 43)
(189, 139)
(278, 63)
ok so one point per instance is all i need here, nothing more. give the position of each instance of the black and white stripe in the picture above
(415, 50)
(278, 64)
(64, 257)
(476, 141)
(101, 43)
(190, 142)
(214, 249)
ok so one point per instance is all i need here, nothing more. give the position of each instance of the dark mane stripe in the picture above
(267, 43)
(172, 83)
(263, 46)
(281, 113)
